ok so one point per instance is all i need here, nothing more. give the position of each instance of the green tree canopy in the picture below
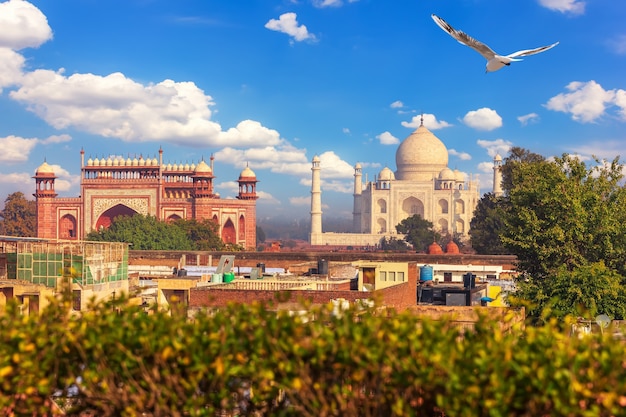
(487, 224)
(149, 233)
(203, 234)
(587, 291)
(19, 216)
(418, 232)
(565, 213)
(566, 224)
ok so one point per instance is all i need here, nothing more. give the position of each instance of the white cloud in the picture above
(330, 3)
(16, 149)
(11, 64)
(332, 166)
(283, 159)
(345, 130)
(116, 106)
(56, 139)
(618, 44)
(528, 118)
(464, 156)
(387, 138)
(483, 119)
(396, 104)
(17, 181)
(430, 121)
(23, 25)
(495, 147)
(587, 102)
(288, 23)
(300, 201)
(267, 198)
(574, 7)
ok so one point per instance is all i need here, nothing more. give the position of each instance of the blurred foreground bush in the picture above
(116, 360)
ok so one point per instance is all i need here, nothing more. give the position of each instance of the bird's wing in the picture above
(527, 52)
(465, 39)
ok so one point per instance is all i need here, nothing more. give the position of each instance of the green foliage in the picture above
(149, 233)
(418, 232)
(586, 291)
(116, 360)
(487, 224)
(204, 234)
(393, 244)
(19, 216)
(143, 233)
(562, 219)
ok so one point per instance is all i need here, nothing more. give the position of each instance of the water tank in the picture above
(469, 280)
(182, 272)
(229, 276)
(216, 278)
(322, 267)
(426, 273)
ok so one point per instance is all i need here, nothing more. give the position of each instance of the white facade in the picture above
(422, 184)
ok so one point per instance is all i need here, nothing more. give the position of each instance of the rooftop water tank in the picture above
(426, 273)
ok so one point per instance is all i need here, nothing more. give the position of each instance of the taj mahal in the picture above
(422, 184)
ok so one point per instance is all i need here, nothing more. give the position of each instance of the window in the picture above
(447, 277)
(392, 276)
(400, 276)
(383, 276)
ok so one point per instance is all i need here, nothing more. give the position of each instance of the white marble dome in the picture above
(421, 156)
(386, 175)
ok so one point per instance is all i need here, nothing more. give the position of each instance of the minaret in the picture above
(497, 176)
(316, 203)
(358, 189)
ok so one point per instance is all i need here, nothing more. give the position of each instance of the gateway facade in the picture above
(118, 186)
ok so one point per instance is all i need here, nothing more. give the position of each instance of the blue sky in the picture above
(273, 83)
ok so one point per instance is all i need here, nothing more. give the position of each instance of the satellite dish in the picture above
(603, 321)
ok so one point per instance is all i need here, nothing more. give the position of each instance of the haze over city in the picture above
(274, 83)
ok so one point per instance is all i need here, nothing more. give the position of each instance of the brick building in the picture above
(114, 186)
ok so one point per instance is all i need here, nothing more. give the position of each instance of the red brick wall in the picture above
(202, 297)
(399, 297)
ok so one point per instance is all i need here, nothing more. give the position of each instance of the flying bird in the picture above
(494, 61)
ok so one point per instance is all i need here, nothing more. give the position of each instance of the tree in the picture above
(564, 213)
(418, 232)
(202, 234)
(393, 244)
(19, 216)
(563, 220)
(144, 233)
(586, 291)
(487, 224)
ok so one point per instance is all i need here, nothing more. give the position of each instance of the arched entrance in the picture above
(106, 218)
(67, 227)
(228, 233)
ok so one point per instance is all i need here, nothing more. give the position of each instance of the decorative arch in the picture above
(443, 226)
(242, 227)
(460, 226)
(228, 232)
(459, 206)
(382, 225)
(443, 206)
(67, 227)
(412, 206)
(106, 218)
(173, 218)
(382, 206)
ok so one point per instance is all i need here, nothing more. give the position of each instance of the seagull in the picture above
(494, 61)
